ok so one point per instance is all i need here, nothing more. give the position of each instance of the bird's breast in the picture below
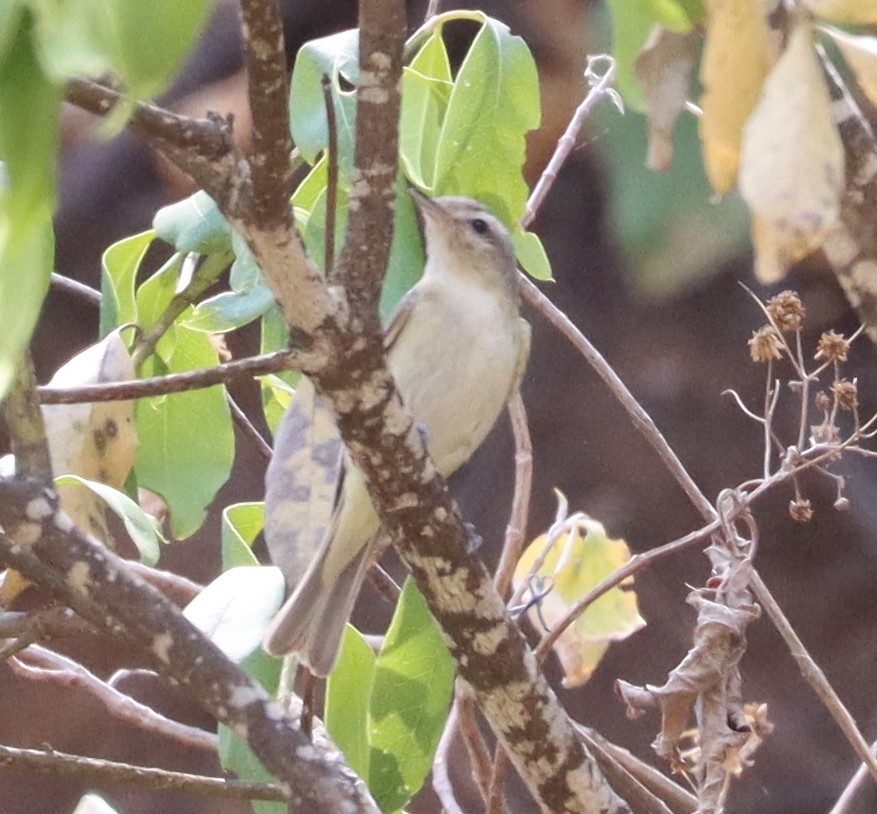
(455, 365)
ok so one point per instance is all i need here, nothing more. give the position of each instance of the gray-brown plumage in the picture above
(457, 347)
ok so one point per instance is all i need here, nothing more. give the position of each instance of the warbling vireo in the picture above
(457, 348)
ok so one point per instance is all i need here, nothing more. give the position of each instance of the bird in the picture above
(457, 347)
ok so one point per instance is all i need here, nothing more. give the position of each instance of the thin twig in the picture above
(99, 771)
(331, 179)
(84, 292)
(174, 382)
(517, 525)
(853, 788)
(812, 672)
(656, 792)
(204, 277)
(641, 419)
(601, 86)
(467, 722)
(41, 625)
(441, 776)
(178, 589)
(40, 664)
(242, 420)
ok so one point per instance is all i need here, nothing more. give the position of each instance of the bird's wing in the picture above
(302, 482)
(399, 318)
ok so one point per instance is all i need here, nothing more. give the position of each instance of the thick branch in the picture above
(202, 148)
(97, 584)
(366, 251)
(268, 87)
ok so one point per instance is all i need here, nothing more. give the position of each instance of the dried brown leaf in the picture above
(792, 165)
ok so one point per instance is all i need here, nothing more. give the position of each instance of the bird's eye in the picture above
(480, 226)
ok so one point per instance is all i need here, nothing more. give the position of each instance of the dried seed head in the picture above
(825, 434)
(847, 394)
(786, 310)
(842, 504)
(833, 347)
(765, 345)
(823, 402)
(801, 510)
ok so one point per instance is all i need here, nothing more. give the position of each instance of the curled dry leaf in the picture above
(792, 166)
(579, 561)
(706, 683)
(96, 441)
(737, 57)
(664, 69)
(848, 12)
(860, 52)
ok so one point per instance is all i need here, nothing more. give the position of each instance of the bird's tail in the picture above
(312, 621)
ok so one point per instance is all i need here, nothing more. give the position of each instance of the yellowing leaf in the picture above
(737, 57)
(860, 52)
(664, 68)
(849, 12)
(577, 562)
(96, 441)
(792, 167)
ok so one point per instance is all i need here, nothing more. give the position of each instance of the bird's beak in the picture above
(428, 208)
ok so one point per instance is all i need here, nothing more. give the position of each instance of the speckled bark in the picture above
(46, 547)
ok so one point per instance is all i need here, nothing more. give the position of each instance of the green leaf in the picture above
(631, 24)
(426, 89)
(29, 109)
(120, 263)
(185, 462)
(413, 686)
(143, 528)
(675, 15)
(305, 197)
(150, 40)
(235, 609)
(337, 56)
(348, 689)
(531, 255)
(241, 524)
(75, 37)
(494, 104)
(228, 311)
(245, 273)
(187, 439)
(406, 254)
(153, 297)
(194, 224)
(10, 21)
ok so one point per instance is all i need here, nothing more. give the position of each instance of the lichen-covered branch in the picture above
(366, 251)
(98, 585)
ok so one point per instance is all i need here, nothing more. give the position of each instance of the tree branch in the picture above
(366, 251)
(109, 772)
(175, 382)
(45, 546)
(202, 148)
